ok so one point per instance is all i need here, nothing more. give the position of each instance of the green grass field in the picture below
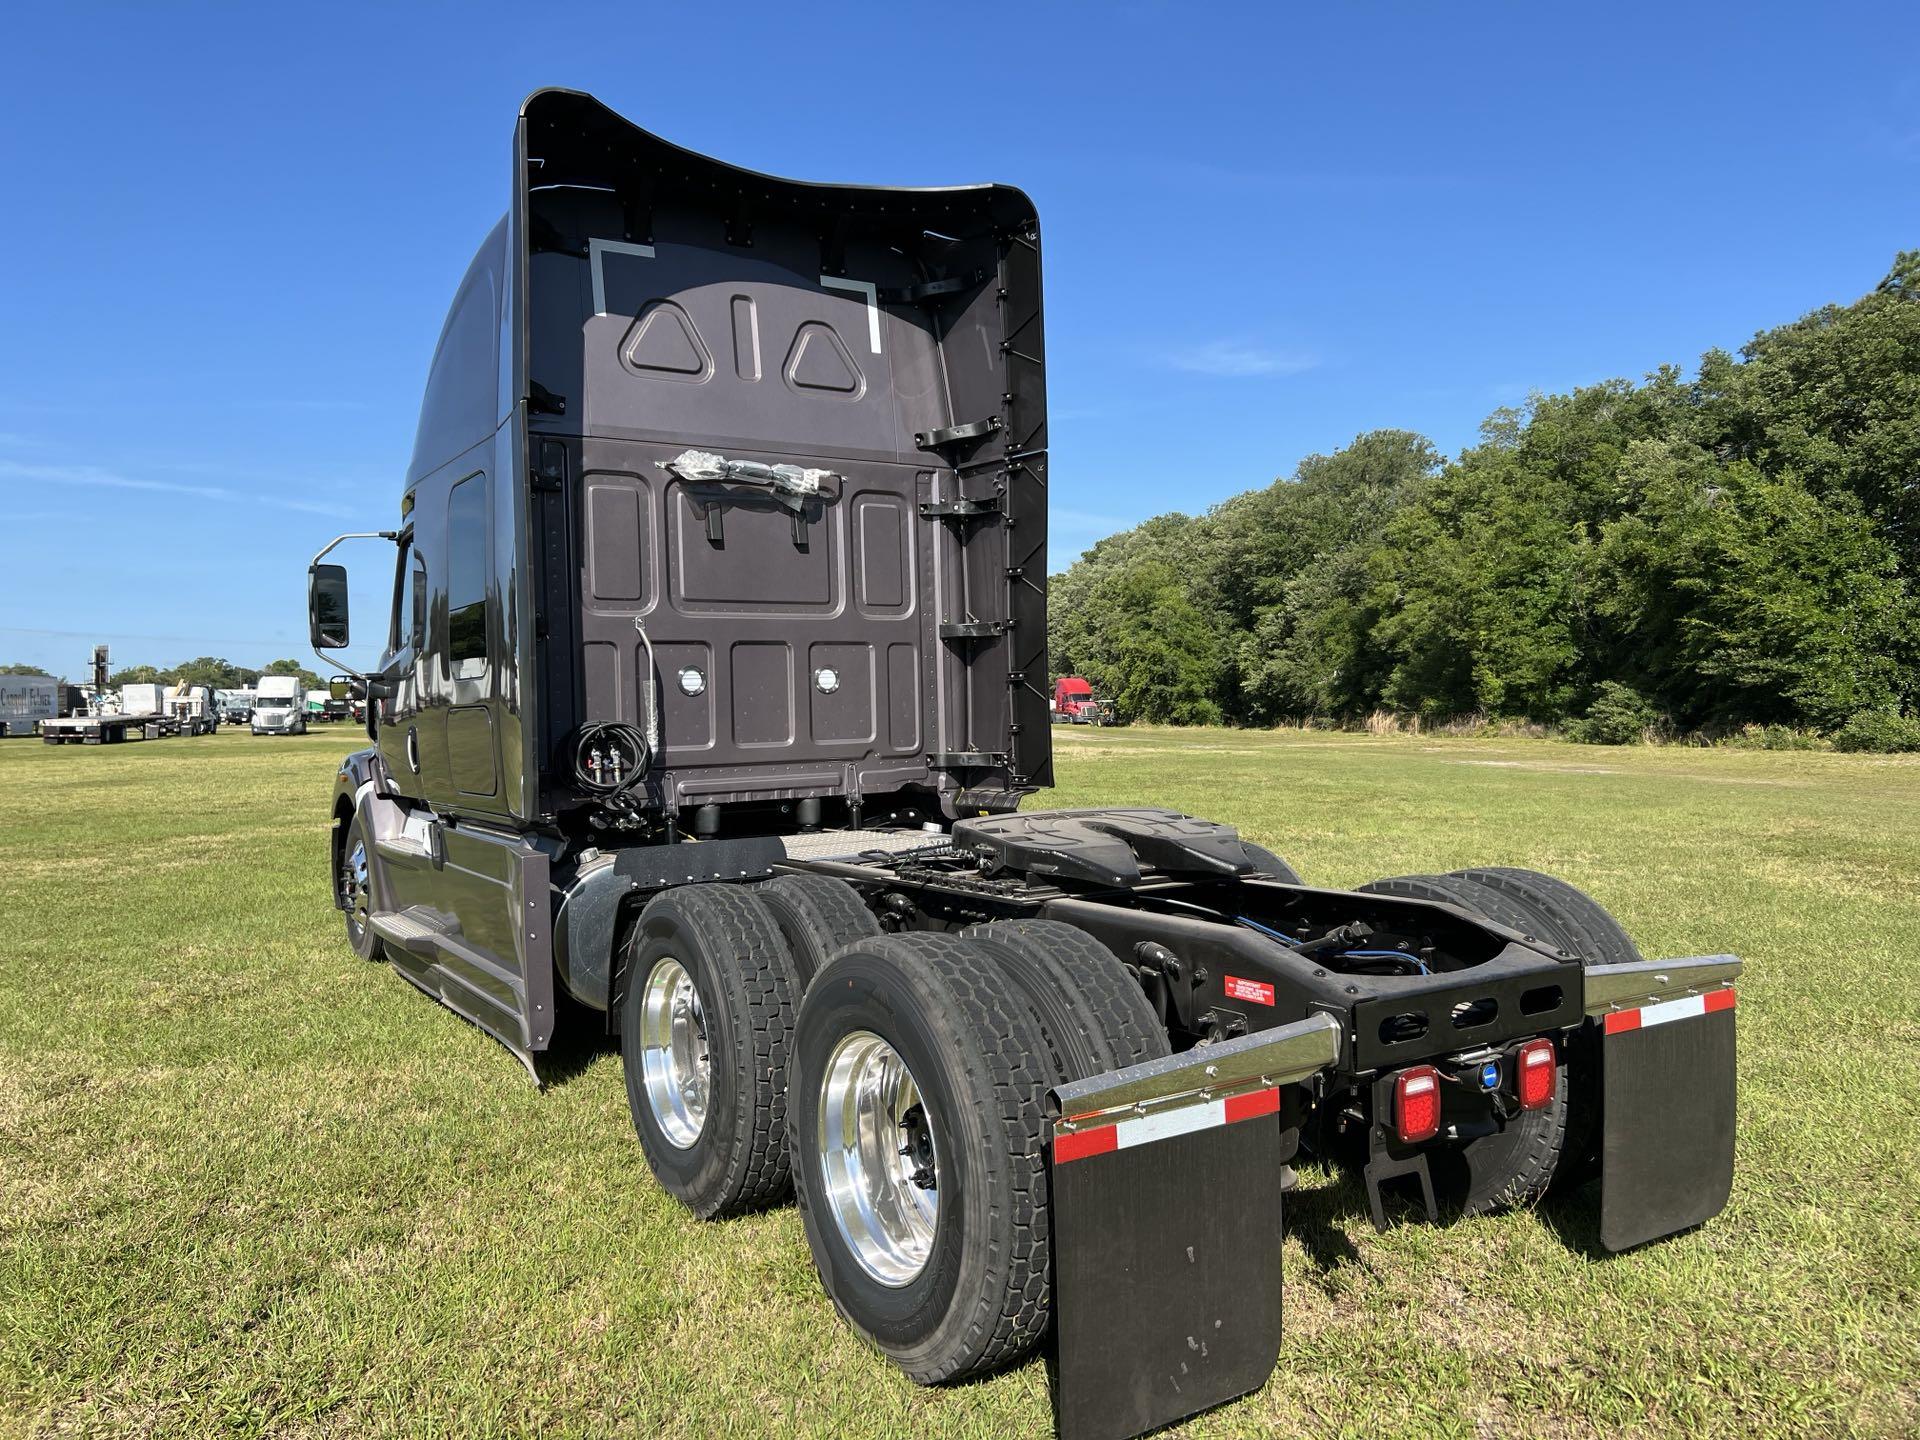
(251, 1185)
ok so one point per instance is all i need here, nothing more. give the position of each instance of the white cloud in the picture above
(109, 479)
(1063, 518)
(1238, 359)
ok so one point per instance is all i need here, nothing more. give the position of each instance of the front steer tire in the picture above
(353, 886)
(728, 945)
(980, 1300)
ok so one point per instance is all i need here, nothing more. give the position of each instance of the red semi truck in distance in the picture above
(1074, 703)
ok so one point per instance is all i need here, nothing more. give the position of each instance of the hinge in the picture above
(546, 239)
(550, 472)
(956, 434)
(542, 401)
(973, 629)
(966, 760)
(961, 509)
(932, 291)
(740, 223)
(635, 197)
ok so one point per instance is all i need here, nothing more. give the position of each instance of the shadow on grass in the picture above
(1322, 1220)
(580, 1040)
(1574, 1218)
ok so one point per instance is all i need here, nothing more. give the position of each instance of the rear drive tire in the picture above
(1586, 930)
(950, 1277)
(1576, 920)
(707, 1003)
(1265, 862)
(1510, 1168)
(1094, 1014)
(1515, 1165)
(817, 915)
(1474, 899)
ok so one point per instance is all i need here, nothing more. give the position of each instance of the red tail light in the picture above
(1533, 1073)
(1416, 1104)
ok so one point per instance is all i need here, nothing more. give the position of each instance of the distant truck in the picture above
(26, 700)
(235, 706)
(279, 706)
(191, 707)
(1074, 703)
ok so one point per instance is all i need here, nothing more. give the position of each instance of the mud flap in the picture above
(1166, 1231)
(1665, 1032)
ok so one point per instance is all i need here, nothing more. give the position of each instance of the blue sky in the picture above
(230, 234)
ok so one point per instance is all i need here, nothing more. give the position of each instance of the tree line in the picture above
(1704, 554)
(208, 670)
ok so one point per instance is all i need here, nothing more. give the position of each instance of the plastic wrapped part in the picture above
(705, 465)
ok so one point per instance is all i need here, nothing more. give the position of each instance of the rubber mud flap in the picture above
(1667, 1117)
(1165, 1187)
(1166, 1297)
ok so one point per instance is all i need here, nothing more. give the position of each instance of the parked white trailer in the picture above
(26, 700)
(143, 699)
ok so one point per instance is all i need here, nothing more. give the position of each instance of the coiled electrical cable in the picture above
(610, 760)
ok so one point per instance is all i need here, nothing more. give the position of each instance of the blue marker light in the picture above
(1490, 1075)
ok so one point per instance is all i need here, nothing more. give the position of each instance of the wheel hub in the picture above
(673, 1053)
(354, 885)
(879, 1163)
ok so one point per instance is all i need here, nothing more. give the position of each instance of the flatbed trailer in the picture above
(714, 684)
(107, 729)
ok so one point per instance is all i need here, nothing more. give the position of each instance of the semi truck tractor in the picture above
(1074, 703)
(279, 706)
(192, 709)
(713, 702)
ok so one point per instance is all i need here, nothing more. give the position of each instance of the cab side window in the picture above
(467, 577)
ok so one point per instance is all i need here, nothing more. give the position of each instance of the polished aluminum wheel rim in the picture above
(355, 883)
(673, 1053)
(878, 1162)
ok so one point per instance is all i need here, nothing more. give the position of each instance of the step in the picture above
(415, 930)
(400, 847)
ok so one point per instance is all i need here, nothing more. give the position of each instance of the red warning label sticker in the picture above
(1258, 991)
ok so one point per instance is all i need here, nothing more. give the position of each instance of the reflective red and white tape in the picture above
(1618, 1021)
(1145, 1129)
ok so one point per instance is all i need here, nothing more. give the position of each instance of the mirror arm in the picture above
(353, 535)
(333, 662)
